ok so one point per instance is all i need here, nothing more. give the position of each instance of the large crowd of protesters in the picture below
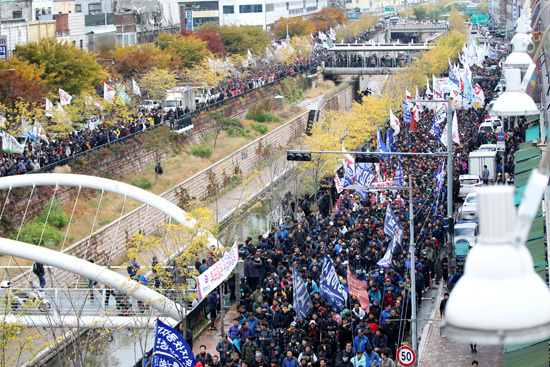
(51, 149)
(266, 331)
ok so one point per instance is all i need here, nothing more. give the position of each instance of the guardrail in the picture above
(186, 122)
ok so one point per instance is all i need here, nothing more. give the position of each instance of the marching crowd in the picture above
(350, 230)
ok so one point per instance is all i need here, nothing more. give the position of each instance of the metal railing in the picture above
(175, 124)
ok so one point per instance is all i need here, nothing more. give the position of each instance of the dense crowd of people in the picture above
(349, 228)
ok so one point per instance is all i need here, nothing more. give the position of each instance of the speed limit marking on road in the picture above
(406, 356)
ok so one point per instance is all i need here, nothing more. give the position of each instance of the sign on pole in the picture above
(501, 136)
(480, 18)
(406, 356)
(501, 145)
(189, 20)
(3, 47)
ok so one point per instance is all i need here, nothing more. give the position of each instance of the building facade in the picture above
(261, 13)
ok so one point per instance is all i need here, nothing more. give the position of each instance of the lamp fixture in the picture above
(505, 267)
(514, 101)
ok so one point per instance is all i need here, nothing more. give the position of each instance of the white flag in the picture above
(60, 107)
(338, 184)
(109, 93)
(135, 86)
(49, 105)
(64, 97)
(249, 56)
(456, 135)
(407, 94)
(443, 137)
(428, 90)
(394, 123)
(10, 144)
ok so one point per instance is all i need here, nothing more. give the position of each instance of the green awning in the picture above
(536, 247)
(515, 347)
(524, 154)
(537, 228)
(527, 165)
(520, 179)
(532, 133)
(532, 119)
(535, 355)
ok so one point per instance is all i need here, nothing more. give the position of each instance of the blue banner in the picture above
(302, 303)
(189, 20)
(435, 131)
(363, 174)
(350, 174)
(170, 348)
(390, 142)
(440, 177)
(398, 178)
(381, 147)
(406, 113)
(330, 286)
(386, 260)
(392, 228)
(363, 194)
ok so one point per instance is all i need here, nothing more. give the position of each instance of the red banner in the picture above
(358, 289)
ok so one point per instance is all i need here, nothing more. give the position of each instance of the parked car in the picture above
(467, 213)
(468, 184)
(471, 199)
(465, 237)
(149, 105)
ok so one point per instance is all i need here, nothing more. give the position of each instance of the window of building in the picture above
(287, 5)
(78, 8)
(201, 5)
(17, 14)
(269, 7)
(82, 44)
(229, 9)
(197, 22)
(94, 8)
(254, 8)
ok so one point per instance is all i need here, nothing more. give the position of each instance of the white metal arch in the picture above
(83, 267)
(461, 2)
(92, 271)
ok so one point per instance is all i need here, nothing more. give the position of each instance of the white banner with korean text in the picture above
(218, 272)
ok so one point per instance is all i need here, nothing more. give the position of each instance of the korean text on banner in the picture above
(217, 273)
(170, 348)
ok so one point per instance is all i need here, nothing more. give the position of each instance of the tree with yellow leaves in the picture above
(456, 21)
(202, 74)
(187, 243)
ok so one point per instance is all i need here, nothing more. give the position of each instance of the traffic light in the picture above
(450, 227)
(298, 156)
(366, 158)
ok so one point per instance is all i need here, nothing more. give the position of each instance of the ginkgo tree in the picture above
(172, 273)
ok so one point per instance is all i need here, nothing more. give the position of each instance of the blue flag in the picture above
(302, 303)
(330, 286)
(386, 260)
(350, 174)
(440, 177)
(390, 142)
(381, 147)
(363, 194)
(392, 228)
(170, 348)
(363, 174)
(406, 113)
(398, 178)
(435, 131)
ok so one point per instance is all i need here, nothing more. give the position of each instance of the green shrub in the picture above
(57, 218)
(238, 131)
(264, 117)
(259, 127)
(201, 151)
(32, 231)
(143, 183)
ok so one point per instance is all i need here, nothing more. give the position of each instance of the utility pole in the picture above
(450, 204)
(414, 332)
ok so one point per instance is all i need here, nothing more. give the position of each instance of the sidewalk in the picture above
(440, 351)
(211, 338)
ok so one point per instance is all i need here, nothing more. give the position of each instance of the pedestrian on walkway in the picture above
(473, 347)
(132, 268)
(475, 363)
(38, 270)
(213, 302)
(386, 361)
(204, 357)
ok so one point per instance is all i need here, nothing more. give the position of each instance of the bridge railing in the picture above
(427, 26)
(387, 62)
